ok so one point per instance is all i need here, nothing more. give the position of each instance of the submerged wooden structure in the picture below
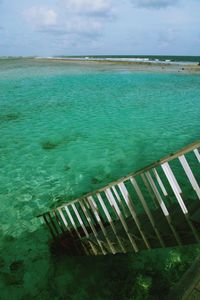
(157, 206)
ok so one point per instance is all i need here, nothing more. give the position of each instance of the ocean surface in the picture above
(67, 129)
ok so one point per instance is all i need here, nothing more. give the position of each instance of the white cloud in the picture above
(76, 26)
(89, 6)
(74, 21)
(41, 16)
(83, 25)
(154, 3)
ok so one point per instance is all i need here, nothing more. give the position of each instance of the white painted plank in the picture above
(110, 222)
(113, 204)
(83, 226)
(157, 176)
(72, 221)
(84, 209)
(189, 174)
(174, 185)
(196, 152)
(163, 207)
(126, 196)
(157, 194)
(146, 209)
(119, 201)
(98, 218)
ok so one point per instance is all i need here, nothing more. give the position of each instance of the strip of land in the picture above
(104, 65)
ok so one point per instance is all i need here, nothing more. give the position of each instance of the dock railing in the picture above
(157, 206)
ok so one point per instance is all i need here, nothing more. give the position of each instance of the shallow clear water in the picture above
(67, 129)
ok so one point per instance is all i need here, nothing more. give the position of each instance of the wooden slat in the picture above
(84, 229)
(163, 208)
(128, 201)
(113, 204)
(54, 235)
(157, 194)
(196, 152)
(147, 210)
(98, 218)
(91, 226)
(190, 175)
(72, 221)
(53, 223)
(121, 204)
(58, 221)
(160, 182)
(111, 222)
(63, 219)
(149, 189)
(174, 185)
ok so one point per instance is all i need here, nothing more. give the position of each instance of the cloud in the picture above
(91, 7)
(41, 16)
(74, 20)
(76, 26)
(158, 4)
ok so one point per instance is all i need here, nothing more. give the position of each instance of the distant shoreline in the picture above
(120, 64)
(164, 67)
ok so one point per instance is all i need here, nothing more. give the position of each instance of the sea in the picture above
(68, 128)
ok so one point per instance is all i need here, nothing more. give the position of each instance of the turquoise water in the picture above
(69, 128)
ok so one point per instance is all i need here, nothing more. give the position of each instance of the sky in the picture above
(99, 27)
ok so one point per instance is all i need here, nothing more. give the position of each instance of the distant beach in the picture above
(165, 66)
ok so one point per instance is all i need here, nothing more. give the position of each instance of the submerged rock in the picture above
(96, 180)
(49, 145)
(9, 117)
(67, 168)
(16, 265)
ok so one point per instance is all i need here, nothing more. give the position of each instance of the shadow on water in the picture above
(9, 117)
(29, 271)
(50, 144)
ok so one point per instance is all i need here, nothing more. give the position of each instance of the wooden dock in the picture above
(157, 206)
